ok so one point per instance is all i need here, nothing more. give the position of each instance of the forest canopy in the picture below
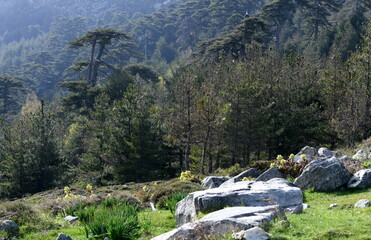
(140, 90)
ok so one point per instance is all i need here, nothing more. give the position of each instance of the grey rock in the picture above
(63, 236)
(345, 158)
(363, 203)
(325, 152)
(363, 154)
(250, 173)
(299, 158)
(270, 174)
(333, 205)
(254, 233)
(273, 192)
(323, 175)
(311, 151)
(9, 226)
(213, 182)
(295, 209)
(361, 179)
(222, 222)
(71, 219)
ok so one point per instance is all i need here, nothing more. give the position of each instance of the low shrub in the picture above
(170, 202)
(117, 222)
(166, 189)
(289, 168)
(19, 212)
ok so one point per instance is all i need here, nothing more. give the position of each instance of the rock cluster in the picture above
(241, 206)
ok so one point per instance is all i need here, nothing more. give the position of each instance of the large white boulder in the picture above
(325, 174)
(276, 191)
(223, 222)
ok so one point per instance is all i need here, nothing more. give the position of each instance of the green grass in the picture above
(156, 223)
(320, 223)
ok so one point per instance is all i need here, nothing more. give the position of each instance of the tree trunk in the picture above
(92, 60)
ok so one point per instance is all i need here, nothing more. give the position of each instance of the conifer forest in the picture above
(121, 91)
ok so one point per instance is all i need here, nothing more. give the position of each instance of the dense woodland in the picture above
(140, 90)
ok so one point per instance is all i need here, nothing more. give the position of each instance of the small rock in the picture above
(311, 151)
(254, 233)
(295, 209)
(153, 206)
(305, 206)
(333, 205)
(63, 236)
(325, 152)
(71, 219)
(10, 227)
(363, 203)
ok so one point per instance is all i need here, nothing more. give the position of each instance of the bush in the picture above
(166, 189)
(289, 168)
(117, 222)
(186, 176)
(19, 212)
(170, 202)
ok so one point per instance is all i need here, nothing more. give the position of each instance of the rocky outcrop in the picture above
(250, 173)
(270, 174)
(323, 175)
(273, 192)
(361, 179)
(213, 182)
(223, 222)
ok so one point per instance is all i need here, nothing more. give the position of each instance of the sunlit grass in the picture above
(321, 222)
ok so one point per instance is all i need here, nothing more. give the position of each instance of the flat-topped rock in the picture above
(223, 222)
(245, 193)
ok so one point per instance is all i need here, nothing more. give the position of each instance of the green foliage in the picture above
(320, 222)
(186, 176)
(288, 167)
(170, 202)
(115, 220)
